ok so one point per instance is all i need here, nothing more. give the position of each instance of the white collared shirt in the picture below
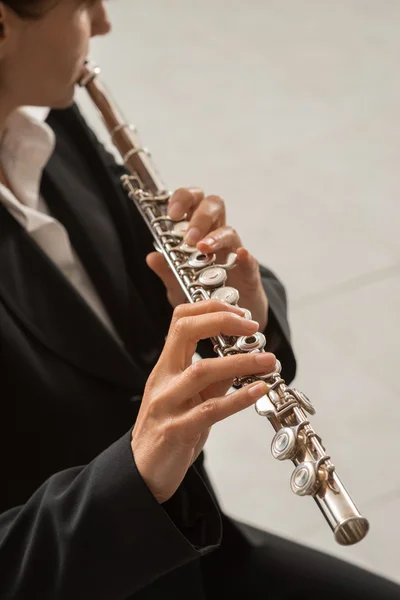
(25, 148)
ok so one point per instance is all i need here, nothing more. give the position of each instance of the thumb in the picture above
(248, 267)
(158, 264)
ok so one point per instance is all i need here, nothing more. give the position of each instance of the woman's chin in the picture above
(66, 101)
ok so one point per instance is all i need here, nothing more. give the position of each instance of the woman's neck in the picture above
(3, 119)
(3, 178)
(5, 111)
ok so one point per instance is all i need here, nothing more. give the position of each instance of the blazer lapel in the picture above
(93, 237)
(49, 307)
(143, 306)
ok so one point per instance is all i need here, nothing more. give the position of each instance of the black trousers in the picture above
(268, 567)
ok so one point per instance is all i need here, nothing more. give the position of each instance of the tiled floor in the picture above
(291, 111)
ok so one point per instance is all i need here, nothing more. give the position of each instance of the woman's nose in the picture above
(100, 22)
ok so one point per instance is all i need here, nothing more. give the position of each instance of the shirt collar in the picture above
(38, 113)
(25, 149)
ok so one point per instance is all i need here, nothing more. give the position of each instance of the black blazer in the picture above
(76, 519)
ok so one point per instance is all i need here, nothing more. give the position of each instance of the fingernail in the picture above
(176, 210)
(236, 308)
(252, 323)
(192, 236)
(209, 241)
(264, 358)
(258, 389)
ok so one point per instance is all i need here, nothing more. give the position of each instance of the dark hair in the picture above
(26, 9)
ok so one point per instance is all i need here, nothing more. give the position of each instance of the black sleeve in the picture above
(98, 532)
(277, 331)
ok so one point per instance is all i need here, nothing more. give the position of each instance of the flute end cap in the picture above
(351, 531)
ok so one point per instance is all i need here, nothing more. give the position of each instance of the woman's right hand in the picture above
(183, 400)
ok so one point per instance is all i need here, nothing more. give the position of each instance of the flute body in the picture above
(201, 277)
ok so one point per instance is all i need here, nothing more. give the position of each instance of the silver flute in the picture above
(201, 277)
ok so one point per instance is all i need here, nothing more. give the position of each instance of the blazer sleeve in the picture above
(98, 532)
(277, 331)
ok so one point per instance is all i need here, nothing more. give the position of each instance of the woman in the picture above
(104, 491)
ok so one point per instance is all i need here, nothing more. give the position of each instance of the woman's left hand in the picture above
(210, 234)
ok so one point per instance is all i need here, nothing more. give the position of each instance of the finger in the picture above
(179, 349)
(217, 389)
(223, 238)
(208, 413)
(247, 276)
(204, 373)
(247, 270)
(184, 336)
(209, 214)
(204, 307)
(246, 261)
(184, 200)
